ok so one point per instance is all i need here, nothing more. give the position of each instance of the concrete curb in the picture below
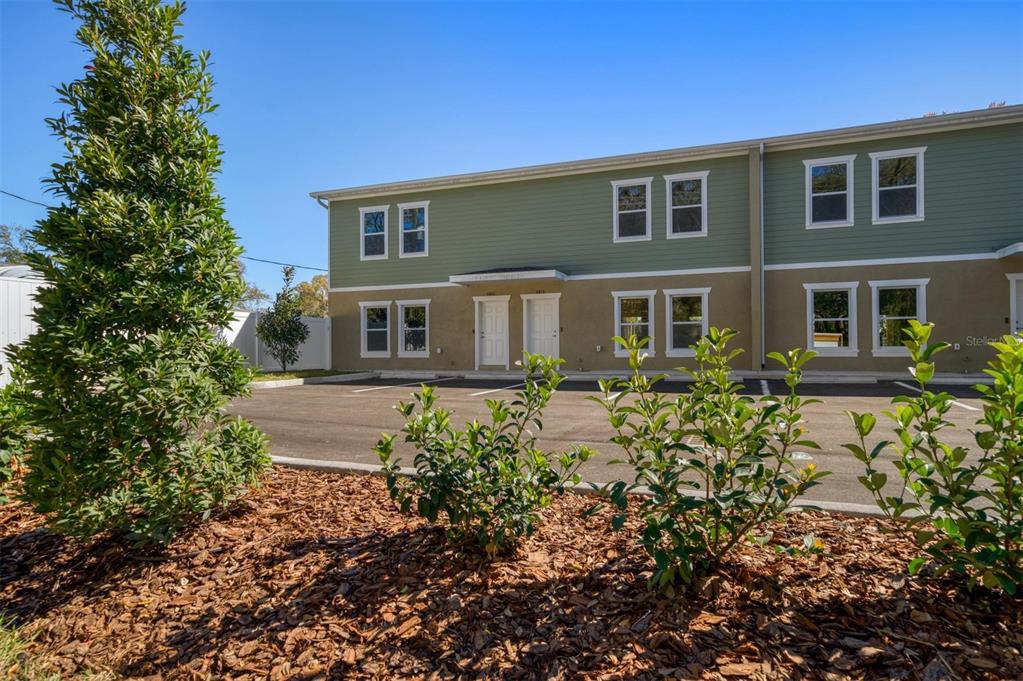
(288, 382)
(862, 510)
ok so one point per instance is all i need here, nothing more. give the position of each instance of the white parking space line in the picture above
(404, 385)
(496, 390)
(917, 389)
(763, 388)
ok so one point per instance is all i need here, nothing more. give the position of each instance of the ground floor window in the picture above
(634, 317)
(894, 303)
(413, 329)
(376, 328)
(831, 318)
(686, 320)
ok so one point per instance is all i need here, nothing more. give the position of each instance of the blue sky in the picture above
(329, 94)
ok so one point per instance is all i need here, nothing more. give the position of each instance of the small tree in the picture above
(123, 384)
(281, 327)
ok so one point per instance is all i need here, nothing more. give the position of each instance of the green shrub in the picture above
(11, 434)
(965, 513)
(125, 380)
(490, 481)
(718, 465)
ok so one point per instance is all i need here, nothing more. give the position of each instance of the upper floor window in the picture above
(631, 209)
(634, 316)
(687, 204)
(376, 328)
(829, 192)
(898, 180)
(686, 320)
(831, 318)
(413, 328)
(894, 303)
(415, 228)
(373, 240)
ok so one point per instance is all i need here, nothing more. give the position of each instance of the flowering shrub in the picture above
(718, 465)
(490, 481)
(965, 513)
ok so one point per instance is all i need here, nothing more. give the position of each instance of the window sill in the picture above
(372, 257)
(837, 352)
(891, 352)
(622, 354)
(414, 355)
(830, 225)
(895, 221)
(375, 355)
(627, 239)
(686, 352)
(687, 235)
(413, 255)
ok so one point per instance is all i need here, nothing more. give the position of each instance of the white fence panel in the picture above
(17, 298)
(314, 353)
(16, 324)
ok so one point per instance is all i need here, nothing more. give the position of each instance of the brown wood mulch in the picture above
(317, 576)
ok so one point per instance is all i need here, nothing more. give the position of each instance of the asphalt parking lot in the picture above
(342, 421)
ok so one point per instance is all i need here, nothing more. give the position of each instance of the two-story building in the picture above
(831, 240)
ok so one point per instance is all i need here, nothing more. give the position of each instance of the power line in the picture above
(247, 257)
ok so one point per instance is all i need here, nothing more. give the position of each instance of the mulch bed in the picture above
(317, 576)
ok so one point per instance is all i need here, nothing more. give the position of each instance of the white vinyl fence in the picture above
(16, 303)
(314, 353)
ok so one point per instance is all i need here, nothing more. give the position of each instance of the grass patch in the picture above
(16, 663)
(307, 373)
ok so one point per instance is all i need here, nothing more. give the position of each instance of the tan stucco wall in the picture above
(966, 300)
(586, 319)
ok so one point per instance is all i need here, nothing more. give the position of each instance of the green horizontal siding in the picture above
(561, 222)
(973, 200)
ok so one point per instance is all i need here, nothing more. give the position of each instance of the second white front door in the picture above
(541, 331)
(493, 341)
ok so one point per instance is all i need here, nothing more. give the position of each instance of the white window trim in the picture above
(875, 327)
(615, 184)
(669, 348)
(876, 156)
(362, 231)
(402, 304)
(668, 179)
(649, 295)
(425, 205)
(851, 287)
(850, 208)
(363, 352)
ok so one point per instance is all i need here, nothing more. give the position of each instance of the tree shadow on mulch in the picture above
(408, 603)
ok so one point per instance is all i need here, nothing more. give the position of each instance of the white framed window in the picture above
(414, 328)
(893, 303)
(686, 319)
(634, 316)
(831, 327)
(373, 233)
(414, 226)
(631, 209)
(376, 328)
(686, 208)
(829, 192)
(898, 185)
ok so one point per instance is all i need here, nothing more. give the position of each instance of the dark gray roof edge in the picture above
(975, 118)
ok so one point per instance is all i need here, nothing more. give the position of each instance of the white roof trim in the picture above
(514, 275)
(1011, 249)
(912, 126)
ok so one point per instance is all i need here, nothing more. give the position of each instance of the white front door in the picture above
(493, 326)
(542, 325)
(1016, 306)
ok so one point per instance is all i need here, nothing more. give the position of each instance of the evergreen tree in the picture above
(281, 327)
(125, 378)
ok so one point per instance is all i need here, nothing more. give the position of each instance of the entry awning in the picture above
(507, 274)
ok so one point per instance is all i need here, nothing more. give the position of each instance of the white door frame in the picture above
(1015, 281)
(476, 326)
(526, 297)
